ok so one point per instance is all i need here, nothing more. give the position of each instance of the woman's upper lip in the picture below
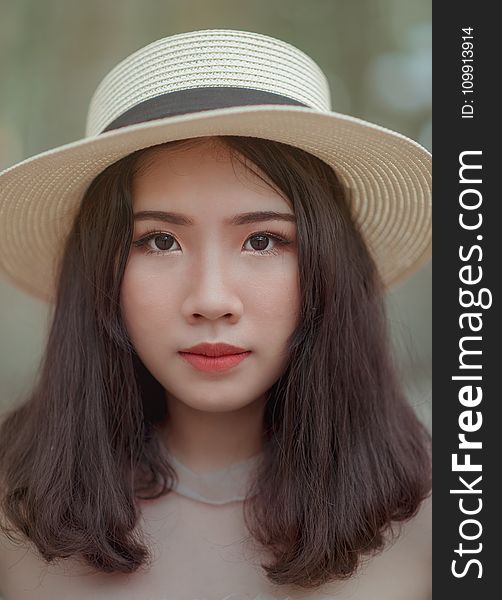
(218, 349)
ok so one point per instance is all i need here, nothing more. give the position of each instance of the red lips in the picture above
(214, 357)
(219, 349)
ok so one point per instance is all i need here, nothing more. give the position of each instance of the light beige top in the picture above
(202, 551)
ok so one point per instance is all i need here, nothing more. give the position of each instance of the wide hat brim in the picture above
(388, 177)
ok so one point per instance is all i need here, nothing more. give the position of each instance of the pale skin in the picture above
(210, 281)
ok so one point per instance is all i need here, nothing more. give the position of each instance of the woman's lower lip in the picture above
(214, 363)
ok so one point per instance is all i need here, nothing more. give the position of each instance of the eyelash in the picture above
(281, 240)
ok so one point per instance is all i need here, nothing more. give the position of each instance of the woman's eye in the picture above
(157, 243)
(262, 242)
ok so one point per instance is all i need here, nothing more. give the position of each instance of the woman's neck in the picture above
(207, 441)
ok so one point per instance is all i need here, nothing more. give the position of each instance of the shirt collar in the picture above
(216, 487)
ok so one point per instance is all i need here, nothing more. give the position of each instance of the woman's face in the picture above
(203, 278)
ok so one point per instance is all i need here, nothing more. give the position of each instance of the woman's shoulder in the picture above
(403, 569)
(411, 549)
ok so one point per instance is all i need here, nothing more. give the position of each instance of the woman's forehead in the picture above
(202, 176)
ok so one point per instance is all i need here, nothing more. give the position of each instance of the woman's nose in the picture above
(212, 291)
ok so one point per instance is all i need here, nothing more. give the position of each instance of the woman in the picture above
(217, 413)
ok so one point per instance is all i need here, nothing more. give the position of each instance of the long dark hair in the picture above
(344, 454)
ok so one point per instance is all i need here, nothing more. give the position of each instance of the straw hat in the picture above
(217, 82)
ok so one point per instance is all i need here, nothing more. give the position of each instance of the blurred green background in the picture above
(53, 53)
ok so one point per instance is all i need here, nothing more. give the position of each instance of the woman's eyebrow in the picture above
(240, 219)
